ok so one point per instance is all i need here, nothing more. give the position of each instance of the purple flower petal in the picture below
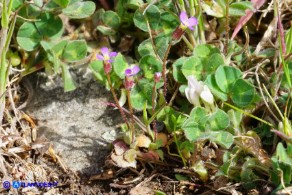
(135, 70)
(113, 54)
(132, 71)
(192, 22)
(128, 72)
(183, 18)
(100, 57)
(104, 51)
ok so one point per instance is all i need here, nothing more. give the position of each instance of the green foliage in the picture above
(150, 18)
(30, 34)
(192, 66)
(150, 65)
(242, 93)
(202, 126)
(282, 166)
(79, 9)
(148, 29)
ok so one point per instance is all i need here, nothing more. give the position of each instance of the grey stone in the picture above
(74, 122)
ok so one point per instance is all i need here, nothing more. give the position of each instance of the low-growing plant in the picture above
(218, 108)
(204, 97)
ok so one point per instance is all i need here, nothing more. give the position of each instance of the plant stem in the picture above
(131, 114)
(153, 110)
(164, 70)
(4, 44)
(227, 27)
(116, 99)
(178, 150)
(201, 28)
(248, 114)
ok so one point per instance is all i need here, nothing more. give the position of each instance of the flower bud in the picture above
(157, 77)
(177, 34)
(129, 83)
(107, 67)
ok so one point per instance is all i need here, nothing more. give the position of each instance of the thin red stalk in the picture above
(164, 70)
(281, 34)
(153, 110)
(116, 99)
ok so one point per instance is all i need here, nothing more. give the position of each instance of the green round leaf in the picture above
(218, 120)
(67, 79)
(97, 69)
(239, 8)
(191, 130)
(222, 138)
(152, 15)
(192, 66)
(28, 36)
(50, 26)
(177, 72)
(214, 62)
(133, 4)
(225, 76)
(80, 9)
(161, 44)
(75, 50)
(169, 22)
(141, 93)
(242, 93)
(106, 30)
(62, 3)
(120, 65)
(204, 52)
(111, 19)
(150, 65)
(211, 83)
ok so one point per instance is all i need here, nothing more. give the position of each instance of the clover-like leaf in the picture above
(151, 15)
(75, 50)
(79, 9)
(150, 65)
(120, 65)
(242, 93)
(192, 66)
(225, 76)
(47, 27)
(216, 91)
(219, 120)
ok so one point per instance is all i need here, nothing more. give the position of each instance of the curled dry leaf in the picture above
(149, 156)
(121, 162)
(163, 138)
(143, 141)
(122, 156)
(120, 147)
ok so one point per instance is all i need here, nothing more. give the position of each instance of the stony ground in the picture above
(78, 123)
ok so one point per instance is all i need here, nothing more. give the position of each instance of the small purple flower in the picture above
(188, 22)
(106, 56)
(132, 71)
(157, 77)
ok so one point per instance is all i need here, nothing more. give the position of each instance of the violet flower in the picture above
(157, 77)
(106, 56)
(132, 71)
(187, 22)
